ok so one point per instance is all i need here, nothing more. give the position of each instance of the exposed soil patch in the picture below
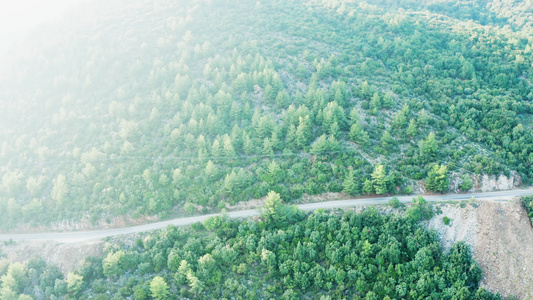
(501, 237)
(67, 257)
(85, 224)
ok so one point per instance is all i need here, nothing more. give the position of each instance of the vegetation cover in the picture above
(143, 108)
(284, 254)
(527, 201)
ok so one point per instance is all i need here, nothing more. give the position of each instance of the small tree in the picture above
(412, 129)
(112, 264)
(273, 209)
(368, 187)
(74, 283)
(428, 147)
(350, 184)
(379, 179)
(437, 180)
(395, 202)
(466, 183)
(159, 288)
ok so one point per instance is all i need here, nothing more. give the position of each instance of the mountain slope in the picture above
(131, 107)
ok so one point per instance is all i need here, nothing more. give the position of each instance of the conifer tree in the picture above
(350, 184)
(379, 179)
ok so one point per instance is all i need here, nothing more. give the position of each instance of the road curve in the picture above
(80, 236)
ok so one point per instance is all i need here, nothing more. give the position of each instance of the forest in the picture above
(283, 254)
(150, 110)
(134, 108)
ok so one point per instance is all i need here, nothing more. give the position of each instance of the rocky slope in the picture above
(501, 237)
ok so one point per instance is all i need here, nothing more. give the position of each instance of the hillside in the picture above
(501, 238)
(285, 254)
(140, 108)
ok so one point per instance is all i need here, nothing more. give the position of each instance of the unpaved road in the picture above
(79, 236)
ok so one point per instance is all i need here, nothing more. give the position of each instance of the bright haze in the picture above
(18, 18)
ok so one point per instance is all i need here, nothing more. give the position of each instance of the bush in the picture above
(446, 220)
(395, 203)
(421, 210)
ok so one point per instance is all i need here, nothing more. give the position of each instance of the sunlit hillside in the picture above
(172, 107)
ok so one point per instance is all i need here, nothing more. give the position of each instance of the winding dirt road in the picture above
(79, 236)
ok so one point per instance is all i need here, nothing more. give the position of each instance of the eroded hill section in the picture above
(68, 257)
(502, 240)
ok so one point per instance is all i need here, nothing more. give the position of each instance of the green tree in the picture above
(412, 129)
(303, 131)
(216, 152)
(354, 116)
(437, 180)
(274, 173)
(6, 293)
(428, 147)
(358, 135)
(212, 171)
(380, 180)
(60, 189)
(388, 102)
(466, 183)
(229, 151)
(387, 142)
(351, 185)
(74, 283)
(112, 264)
(375, 102)
(196, 285)
(283, 100)
(159, 288)
(368, 186)
(320, 145)
(273, 210)
(270, 94)
(400, 119)
(268, 149)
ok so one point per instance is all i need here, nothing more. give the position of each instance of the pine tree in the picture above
(334, 129)
(269, 94)
(216, 152)
(290, 139)
(428, 147)
(303, 132)
(283, 100)
(276, 142)
(159, 288)
(354, 116)
(400, 119)
(267, 147)
(320, 145)
(368, 187)
(275, 173)
(387, 141)
(375, 102)
(437, 180)
(358, 135)
(211, 171)
(412, 130)
(350, 184)
(387, 100)
(248, 145)
(273, 209)
(379, 179)
(229, 151)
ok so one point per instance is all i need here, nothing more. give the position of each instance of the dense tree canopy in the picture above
(336, 255)
(142, 108)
